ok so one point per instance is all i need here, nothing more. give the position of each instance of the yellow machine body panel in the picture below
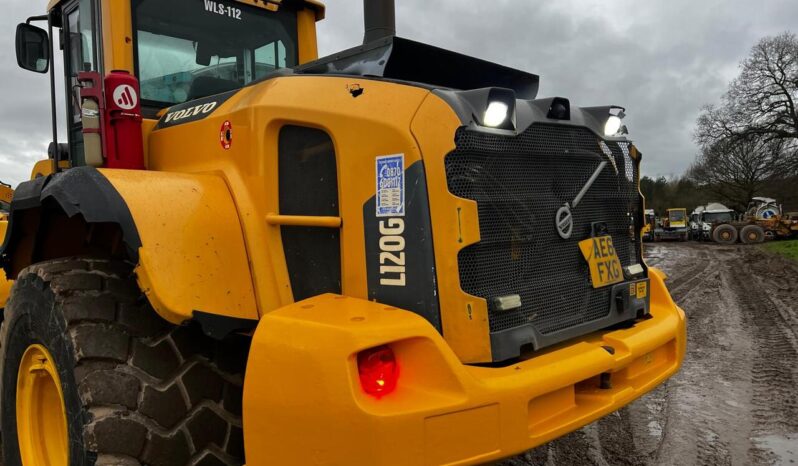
(193, 256)
(45, 167)
(5, 283)
(315, 5)
(6, 193)
(361, 129)
(442, 412)
(455, 226)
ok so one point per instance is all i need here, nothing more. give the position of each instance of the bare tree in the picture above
(749, 143)
(739, 168)
(762, 100)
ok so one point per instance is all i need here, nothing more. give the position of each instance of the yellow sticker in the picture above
(605, 268)
(642, 290)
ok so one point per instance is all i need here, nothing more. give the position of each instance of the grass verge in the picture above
(787, 249)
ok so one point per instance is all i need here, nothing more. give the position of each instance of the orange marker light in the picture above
(378, 370)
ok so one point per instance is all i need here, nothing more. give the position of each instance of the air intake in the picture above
(380, 19)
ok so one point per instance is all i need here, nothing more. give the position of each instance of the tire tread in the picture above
(126, 356)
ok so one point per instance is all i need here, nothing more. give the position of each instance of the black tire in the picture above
(137, 390)
(752, 234)
(725, 234)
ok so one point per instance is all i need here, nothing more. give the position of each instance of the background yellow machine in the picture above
(396, 255)
(6, 194)
(650, 225)
(675, 226)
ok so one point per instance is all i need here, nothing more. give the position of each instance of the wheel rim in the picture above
(725, 235)
(41, 414)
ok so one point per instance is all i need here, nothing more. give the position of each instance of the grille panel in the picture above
(519, 183)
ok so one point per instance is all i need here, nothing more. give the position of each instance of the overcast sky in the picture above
(662, 60)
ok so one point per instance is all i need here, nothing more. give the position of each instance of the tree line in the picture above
(749, 141)
(684, 192)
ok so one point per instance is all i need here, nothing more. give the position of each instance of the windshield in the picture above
(677, 215)
(187, 49)
(718, 217)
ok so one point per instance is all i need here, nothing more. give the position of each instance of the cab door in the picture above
(80, 42)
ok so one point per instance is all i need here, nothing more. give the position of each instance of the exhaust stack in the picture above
(380, 19)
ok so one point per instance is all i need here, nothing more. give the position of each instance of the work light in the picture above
(613, 125)
(496, 114)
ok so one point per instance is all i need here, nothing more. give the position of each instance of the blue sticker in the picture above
(391, 186)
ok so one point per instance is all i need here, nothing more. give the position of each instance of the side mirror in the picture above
(33, 48)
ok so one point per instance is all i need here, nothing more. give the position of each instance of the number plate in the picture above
(605, 268)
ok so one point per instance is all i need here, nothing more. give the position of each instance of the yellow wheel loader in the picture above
(396, 255)
(675, 226)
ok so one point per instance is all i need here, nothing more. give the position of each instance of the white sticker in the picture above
(125, 97)
(391, 186)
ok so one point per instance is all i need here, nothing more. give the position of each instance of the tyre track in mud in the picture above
(735, 401)
(774, 374)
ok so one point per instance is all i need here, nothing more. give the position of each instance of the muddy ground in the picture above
(735, 401)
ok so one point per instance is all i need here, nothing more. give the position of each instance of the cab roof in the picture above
(315, 5)
(764, 200)
(717, 208)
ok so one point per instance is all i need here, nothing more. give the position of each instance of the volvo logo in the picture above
(564, 222)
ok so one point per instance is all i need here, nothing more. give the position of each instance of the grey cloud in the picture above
(25, 128)
(662, 60)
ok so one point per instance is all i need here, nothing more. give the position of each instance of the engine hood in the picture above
(401, 59)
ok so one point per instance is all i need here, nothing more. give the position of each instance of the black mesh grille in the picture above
(519, 184)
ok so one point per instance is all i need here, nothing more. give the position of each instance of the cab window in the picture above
(187, 49)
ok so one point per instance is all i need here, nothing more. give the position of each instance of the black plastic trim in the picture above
(420, 294)
(193, 110)
(220, 327)
(510, 344)
(78, 191)
(410, 61)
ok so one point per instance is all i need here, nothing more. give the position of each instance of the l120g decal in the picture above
(399, 253)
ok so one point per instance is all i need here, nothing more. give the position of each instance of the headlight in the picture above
(613, 125)
(496, 114)
(707, 227)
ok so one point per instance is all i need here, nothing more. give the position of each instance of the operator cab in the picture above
(177, 50)
(677, 217)
(187, 50)
(713, 218)
(763, 208)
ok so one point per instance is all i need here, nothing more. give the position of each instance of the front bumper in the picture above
(303, 403)
(676, 234)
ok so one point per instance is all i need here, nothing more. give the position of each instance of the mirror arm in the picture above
(53, 106)
(37, 18)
